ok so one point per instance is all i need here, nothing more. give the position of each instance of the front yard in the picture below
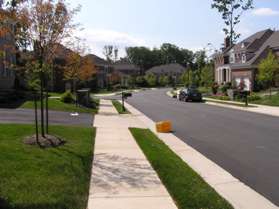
(58, 105)
(255, 98)
(55, 178)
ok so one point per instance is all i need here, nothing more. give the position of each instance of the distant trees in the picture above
(146, 58)
(111, 53)
(231, 11)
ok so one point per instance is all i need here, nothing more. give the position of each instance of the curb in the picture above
(239, 195)
(260, 109)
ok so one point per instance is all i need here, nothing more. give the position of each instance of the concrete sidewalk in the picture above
(122, 177)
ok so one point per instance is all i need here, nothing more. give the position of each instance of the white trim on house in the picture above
(224, 74)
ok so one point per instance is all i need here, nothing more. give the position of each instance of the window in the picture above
(243, 58)
(232, 58)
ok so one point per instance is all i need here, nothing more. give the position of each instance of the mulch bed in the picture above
(49, 141)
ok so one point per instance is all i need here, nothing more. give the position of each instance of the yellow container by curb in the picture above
(164, 127)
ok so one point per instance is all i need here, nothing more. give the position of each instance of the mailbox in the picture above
(125, 95)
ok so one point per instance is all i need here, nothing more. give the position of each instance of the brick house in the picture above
(240, 62)
(7, 52)
(105, 74)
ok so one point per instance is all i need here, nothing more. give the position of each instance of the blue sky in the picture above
(187, 23)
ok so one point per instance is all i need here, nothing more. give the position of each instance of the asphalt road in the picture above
(243, 143)
(55, 117)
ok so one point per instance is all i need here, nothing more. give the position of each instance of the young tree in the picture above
(50, 23)
(231, 11)
(268, 70)
(78, 68)
(207, 75)
(187, 78)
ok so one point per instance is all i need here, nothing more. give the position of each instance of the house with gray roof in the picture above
(125, 70)
(240, 62)
(173, 70)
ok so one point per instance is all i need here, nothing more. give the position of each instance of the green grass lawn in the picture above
(55, 94)
(56, 104)
(187, 188)
(56, 178)
(266, 100)
(231, 103)
(118, 107)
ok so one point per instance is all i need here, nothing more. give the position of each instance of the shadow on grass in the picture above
(12, 104)
(5, 205)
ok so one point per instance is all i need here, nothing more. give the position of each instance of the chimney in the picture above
(227, 42)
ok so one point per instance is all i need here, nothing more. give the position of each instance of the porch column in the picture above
(228, 74)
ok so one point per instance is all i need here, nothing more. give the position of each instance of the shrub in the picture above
(253, 97)
(225, 87)
(67, 97)
(215, 88)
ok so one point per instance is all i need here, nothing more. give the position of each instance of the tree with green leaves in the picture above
(140, 81)
(187, 78)
(231, 11)
(151, 79)
(164, 80)
(207, 75)
(269, 70)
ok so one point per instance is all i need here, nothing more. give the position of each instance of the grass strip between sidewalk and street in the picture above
(119, 108)
(58, 105)
(53, 178)
(187, 188)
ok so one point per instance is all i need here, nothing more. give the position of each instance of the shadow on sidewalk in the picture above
(112, 171)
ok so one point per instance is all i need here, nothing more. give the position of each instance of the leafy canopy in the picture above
(231, 11)
(268, 68)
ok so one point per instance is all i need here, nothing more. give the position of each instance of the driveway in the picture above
(243, 143)
(55, 117)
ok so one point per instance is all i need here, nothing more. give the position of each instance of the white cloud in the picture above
(96, 39)
(265, 12)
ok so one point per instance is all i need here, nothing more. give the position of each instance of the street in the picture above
(55, 117)
(243, 143)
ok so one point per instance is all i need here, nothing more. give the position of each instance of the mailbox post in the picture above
(125, 95)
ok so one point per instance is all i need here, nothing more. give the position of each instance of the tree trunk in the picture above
(46, 108)
(36, 117)
(42, 102)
